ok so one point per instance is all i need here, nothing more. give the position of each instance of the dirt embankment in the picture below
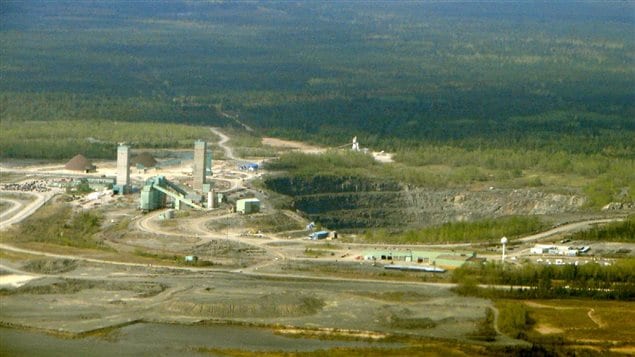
(268, 305)
(71, 286)
(50, 266)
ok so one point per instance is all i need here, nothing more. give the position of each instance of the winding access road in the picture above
(229, 152)
(23, 210)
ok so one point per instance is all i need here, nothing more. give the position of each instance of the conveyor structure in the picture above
(156, 190)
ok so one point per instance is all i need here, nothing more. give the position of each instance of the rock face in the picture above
(613, 206)
(352, 202)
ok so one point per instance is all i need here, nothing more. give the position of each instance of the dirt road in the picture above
(24, 211)
(569, 228)
(14, 206)
(229, 152)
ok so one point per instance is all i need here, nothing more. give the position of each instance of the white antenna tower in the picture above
(504, 243)
(355, 144)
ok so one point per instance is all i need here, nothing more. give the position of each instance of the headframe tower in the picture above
(123, 168)
(199, 167)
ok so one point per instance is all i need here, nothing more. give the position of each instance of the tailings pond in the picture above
(151, 339)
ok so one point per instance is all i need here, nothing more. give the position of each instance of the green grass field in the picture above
(584, 321)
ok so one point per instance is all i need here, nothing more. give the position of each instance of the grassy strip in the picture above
(485, 328)
(172, 259)
(57, 224)
(247, 144)
(513, 318)
(427, 349)
(10, 176)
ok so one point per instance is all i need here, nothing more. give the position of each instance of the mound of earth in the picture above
(144, 159)
(219, 247)
(288, 304)
(48, 266)
(71, 286)
(79, 163)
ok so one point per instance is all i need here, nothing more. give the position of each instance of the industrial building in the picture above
(198, 169)
(93, 183)
(155, 192)
(248, 205)
(436, 258)
(123, 170)
(100, 183)
(554, 250)
(415, 268)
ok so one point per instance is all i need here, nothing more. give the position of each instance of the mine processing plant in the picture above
(156, 190)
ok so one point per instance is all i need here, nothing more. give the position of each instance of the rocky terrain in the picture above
(354, 202)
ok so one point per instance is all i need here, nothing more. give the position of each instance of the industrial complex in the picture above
(185, 240)
(164, 186)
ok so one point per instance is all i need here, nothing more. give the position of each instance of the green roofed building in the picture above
(446, 259)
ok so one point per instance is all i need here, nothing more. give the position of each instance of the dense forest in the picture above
(615, 232)
(591, 280)
(553, 82)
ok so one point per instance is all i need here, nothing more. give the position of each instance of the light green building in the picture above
(151, 199)
(446, 259)
(248, 205)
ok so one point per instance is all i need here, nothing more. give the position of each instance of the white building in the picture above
(554, 250)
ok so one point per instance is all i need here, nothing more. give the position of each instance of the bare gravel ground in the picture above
(95, 296)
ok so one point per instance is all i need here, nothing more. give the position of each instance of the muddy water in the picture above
(149, 339)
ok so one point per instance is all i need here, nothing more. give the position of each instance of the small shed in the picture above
(248, 205)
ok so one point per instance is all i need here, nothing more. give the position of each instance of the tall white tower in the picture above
(198, 172)
(123, 167)
(504, 243)
(355, 144)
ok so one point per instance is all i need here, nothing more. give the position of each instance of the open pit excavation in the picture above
(193, 264)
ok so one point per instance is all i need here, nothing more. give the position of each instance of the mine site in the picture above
(317, 178)
(191, 245)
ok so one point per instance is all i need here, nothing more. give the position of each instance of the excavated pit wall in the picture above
(353, 202)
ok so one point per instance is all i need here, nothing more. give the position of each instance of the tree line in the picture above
(591, 280)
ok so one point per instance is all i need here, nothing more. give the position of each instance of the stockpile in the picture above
(30, 186)
(144, 159)
(79, 163)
